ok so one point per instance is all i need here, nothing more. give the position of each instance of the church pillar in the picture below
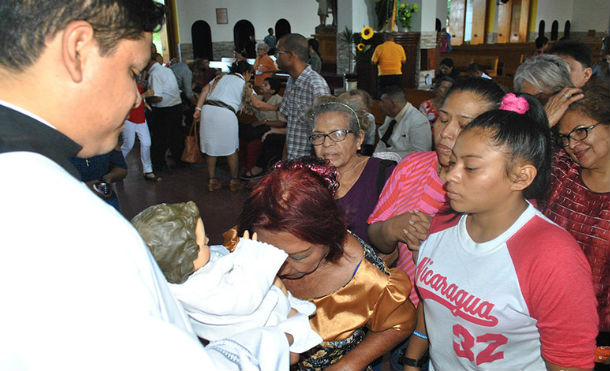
(353, 14)
(429, 51)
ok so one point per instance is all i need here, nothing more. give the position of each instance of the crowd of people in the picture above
(471, 233)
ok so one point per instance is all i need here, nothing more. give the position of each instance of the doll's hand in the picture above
(246, 236)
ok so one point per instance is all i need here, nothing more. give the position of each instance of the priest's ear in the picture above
(77, 44)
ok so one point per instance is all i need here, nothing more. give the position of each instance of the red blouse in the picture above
(586, 215)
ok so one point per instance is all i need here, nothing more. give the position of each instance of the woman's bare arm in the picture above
(374, 345)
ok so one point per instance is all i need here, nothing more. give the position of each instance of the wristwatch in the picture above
(405, 361)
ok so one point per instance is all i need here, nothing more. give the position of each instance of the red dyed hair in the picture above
(297, 197)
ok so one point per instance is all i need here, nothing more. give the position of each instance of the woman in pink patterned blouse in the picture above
(579, 196)
(415, 190)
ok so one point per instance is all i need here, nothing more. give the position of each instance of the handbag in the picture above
(192, 154)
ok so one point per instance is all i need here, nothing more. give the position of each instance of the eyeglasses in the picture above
(578, 134)
(336, 136)
(277, 51)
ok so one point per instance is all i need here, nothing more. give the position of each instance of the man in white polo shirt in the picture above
(166, 119)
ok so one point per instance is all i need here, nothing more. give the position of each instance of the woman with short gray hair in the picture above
(338, 129)
(264, 66)
(548, 78)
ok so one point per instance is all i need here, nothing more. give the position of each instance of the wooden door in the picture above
(519, 21)
(456, 21)
(479, 17)
(504, 18)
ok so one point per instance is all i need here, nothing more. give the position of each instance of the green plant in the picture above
(346, 36)
(404, 12)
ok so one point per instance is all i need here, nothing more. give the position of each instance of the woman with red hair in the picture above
(293, 208)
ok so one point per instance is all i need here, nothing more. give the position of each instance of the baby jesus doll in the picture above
(223, 293)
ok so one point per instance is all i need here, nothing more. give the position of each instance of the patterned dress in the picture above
(378, 301)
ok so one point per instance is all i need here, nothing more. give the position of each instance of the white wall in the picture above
(441, 11)
(302, 15)
(363, 14)
(559, 10)
(355, 14)
(590, 15)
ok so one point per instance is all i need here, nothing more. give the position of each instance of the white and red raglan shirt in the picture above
(510, 303)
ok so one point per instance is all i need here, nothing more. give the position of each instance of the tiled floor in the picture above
(219, 210)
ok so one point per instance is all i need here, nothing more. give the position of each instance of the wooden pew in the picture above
(460, 60)
(487, 63)
(508, 56)
(509, 64)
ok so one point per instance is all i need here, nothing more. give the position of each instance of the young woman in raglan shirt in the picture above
(503, 288)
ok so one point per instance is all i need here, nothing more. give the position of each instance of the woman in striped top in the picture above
(415, 190)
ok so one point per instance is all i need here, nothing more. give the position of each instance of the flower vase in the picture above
(402, 28)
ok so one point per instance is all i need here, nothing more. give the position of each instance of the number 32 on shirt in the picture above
(464, 342)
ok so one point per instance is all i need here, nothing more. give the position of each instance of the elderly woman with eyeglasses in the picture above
(339, 127)
(579, 195)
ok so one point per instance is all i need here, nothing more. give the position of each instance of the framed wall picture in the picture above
(222, 16)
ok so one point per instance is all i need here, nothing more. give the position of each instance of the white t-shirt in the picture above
(506, 304)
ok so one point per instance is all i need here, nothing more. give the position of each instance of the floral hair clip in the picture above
(513, 103)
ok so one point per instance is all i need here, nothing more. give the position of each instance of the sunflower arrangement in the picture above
(367, 32)
(404, 13)
(362, 45)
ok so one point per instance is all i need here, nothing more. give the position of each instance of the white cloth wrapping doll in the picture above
(235, 292)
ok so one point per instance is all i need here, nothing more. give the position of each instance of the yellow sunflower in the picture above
(367, 33)
(360, 47)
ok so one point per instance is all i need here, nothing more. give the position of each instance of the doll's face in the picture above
(202, 241)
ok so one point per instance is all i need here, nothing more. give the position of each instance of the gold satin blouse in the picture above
(372, 299)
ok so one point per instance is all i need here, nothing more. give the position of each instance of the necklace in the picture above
(344, 184)
(355, 166)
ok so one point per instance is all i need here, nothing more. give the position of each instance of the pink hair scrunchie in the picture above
(513, 103)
